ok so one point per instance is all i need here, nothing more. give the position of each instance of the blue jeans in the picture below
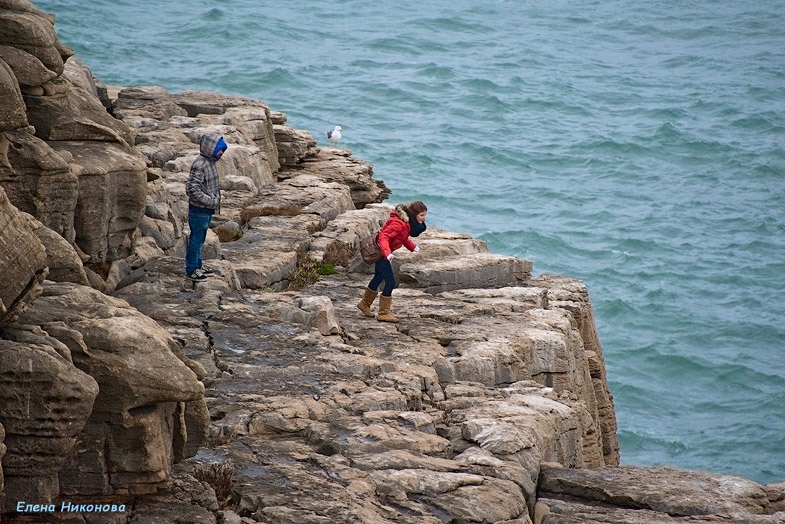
(383, 271)
(199, 222)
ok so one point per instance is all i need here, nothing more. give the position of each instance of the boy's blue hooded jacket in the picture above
(202, 185)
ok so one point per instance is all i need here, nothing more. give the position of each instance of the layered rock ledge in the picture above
(263, 395)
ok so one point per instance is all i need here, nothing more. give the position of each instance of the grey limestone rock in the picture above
(46, 401)
(145, 386)
(22, 261)
(12, 111)
(635, 495)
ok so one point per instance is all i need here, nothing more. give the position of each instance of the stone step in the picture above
(477, 270)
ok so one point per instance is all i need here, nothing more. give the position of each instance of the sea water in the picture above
(637, 146)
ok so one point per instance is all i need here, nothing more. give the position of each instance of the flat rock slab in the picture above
(479, 270)
(665, 490)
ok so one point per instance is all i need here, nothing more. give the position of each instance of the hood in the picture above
(400, 212)
(210, 144)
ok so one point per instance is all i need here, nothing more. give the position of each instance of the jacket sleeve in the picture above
(393, 235)
(195, 188)
(384, 239)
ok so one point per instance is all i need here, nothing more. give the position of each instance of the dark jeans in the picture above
(199, 222)
(383, 271)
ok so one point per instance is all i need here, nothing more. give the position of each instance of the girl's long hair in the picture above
(415, 208)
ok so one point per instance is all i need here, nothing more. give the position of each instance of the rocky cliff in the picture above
(130, 395)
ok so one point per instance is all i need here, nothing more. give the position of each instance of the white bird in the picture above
(334, 135)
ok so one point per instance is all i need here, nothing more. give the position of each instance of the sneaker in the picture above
(197, 275)
(207, 272)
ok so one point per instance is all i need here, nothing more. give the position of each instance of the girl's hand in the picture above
(416, 249)
(390, 256)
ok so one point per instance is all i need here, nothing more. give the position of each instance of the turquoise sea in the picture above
(637, 146)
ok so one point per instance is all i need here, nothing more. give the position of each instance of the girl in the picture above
(404, 221)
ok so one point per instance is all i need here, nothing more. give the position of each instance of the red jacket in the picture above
(395, 232)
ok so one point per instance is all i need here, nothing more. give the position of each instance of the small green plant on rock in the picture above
(308, 272)
(240, 232)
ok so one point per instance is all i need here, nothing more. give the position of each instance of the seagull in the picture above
(334, 135)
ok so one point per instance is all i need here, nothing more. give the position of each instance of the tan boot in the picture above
(384, 310)
(367, 301)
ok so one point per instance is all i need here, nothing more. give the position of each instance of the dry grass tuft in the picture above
(220, 477)
(339, 254)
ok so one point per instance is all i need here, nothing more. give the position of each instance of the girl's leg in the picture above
(382, 271)
(388, 276)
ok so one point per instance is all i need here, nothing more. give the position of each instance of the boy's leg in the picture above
(199, 223)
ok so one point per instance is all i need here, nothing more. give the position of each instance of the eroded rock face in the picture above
(54, 114)
(62, 260)
(73, 113)
(26, 28)
(2, 480)
(145, 389)
(38, 181)
(91, 193)
(22, 262)
(111, 182)
(45, 402)
(28, 70)
(12, 111)
(455, 407)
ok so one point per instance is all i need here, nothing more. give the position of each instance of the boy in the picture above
(204, 199)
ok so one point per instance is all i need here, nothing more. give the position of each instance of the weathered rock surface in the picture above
(22, 261)
(63, 261)
(257, 397)
(12, 111)
(26, 28)
(44, 404)
(63, 158)
(41, 385)
(38, 181)
(633, 495)
(2, 455)
(142, 387)
(308, 384)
